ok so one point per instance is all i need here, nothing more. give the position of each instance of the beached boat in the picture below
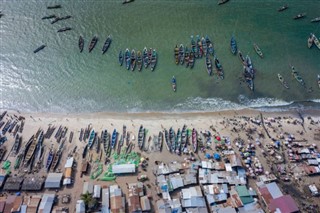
(160, 141)
(172, 139)
(208, 65)
(194, 140)
(318, 79)
(241, 57)
(145, 57)
(49, 159)
(299, 16)
(57, 156)
(91, 138)
(181, 54)
(49, 17)
(18, 161)
(316, 41)
(174, 84)
(57, 6)
(178, 142)
(85, 150)
(200, 141)
(183, 138)
(310, 40)
(258, 50)
(167, 140)
(81, 43)
(296, 75)
(39, 48)
(191, 59)
(31, 149)
(139, 60)
(64, 29)
(16, 145)
(114, 139)
(3, 151)
(283, 82)
(233, 45)
(219, 68)
(222, 2)
(127, 58)
(93, 43)
(153, 60)
(186, 56)
(106, 44)
(105, 141)
(141, 137)
(133, 60)
(282, 8)
(124, 133)
(120, 58)
(97, 144)
(315, 19)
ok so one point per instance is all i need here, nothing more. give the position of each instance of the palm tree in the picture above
(88, 200)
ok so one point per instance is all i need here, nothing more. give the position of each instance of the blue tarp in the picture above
(208, 156)
(216, 156)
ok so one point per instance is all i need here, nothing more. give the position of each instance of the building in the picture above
(96, 191)
(68, 171)
(33, 183)
(33, 203)
(117, 200)
(46, 203)
(283, 204)
(80, 207)
(145, 204)
(123, 168)
(53, 181)
(105, 201)
(87, 187)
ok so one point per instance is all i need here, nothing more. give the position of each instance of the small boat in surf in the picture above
(139, 60)
(172, 136)
(193, 45)
(233, 45)
(258, 50)
(39, 48)
(299, 16)
(57, 6)
(296, 75)
(120, 58)
(283, 82)
(93, 43)
(81, 43)
(127, 1)
(174, 84)
(204, 46)
(64, 29)
(127, 58)
(222, 2)
(133, 60)
(282, 8)
(153, 60)
(106, 44)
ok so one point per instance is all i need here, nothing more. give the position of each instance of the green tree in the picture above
(88, 200)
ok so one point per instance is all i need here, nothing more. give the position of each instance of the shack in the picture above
(123, 168)
(80, 206)
(46, 203)
(96, 191)
(53, 181)
(13, 183)
(87, 187)
(33, 183)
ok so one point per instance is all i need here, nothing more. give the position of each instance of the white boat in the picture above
(316, 41)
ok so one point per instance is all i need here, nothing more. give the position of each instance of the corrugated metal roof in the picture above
(69, 163)
(53, 180)
(274, 190)
(46, 203)
(123, 168)
(80, 206)
(286, 204)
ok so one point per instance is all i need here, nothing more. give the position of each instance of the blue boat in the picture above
(114, 139)
(91, 139)
(133, 60)
(127, 58)
(233, 45)
(121, 58)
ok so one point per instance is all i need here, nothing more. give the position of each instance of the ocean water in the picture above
(61, 79)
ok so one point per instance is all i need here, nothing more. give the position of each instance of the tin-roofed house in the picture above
(87, 187)
(192, 198)
(47, 203)
(33, 203)
(53, 181)
(105, 200)
(145, 204)
(32, 183)
(80, 207)
(117, 200)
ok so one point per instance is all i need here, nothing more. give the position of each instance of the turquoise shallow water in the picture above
(60, 79)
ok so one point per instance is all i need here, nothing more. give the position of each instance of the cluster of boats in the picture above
(140, 59)
(93, 43)
(298, 16)
(313, 40)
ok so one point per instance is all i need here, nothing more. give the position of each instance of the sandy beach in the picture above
(244, 124)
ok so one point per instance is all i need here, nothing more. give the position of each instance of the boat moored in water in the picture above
(133, 60)
(258, 50)
(297, 76)
(174, 84)
(106, 44)
(64, 29)
(49, 17)
(282, 8)
(120, 58)
(145, 57)
(316, 41)
(81, 43)
(208, 65)
(127, 58)
(283, 82)
(233, 45)
(93, 43)
(315, 19)
(299, 16)
(219, 68)
(222, 2)
(139, 60)
(39, 48)
(310, 40)
(318, 80)
(153, 60)
(57, 6)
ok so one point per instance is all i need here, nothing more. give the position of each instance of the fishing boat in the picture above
(299, 16)
(120, 58)
(16, 145)
(241, 57)
(93, 43)
(18, 161)
(249, 62)
(208, 65)
(222, 2)
(114, 139)
(141, 137)
(199, 46)
(91, 138)
(57, 6)
(39, 48)
(174, 84)
(64, 29)
(127, 1)
(85, 150)
(178, 142)
(97, 142)
(200, 142)
(233, 45)
(248, 77)
(209, 45)
(139, 61)
(133, 60)
(3, 151)
(181, 54)
(81, 43)
(167, 140)
(296, 75)
(49, 159)
(145, 57)
(315, 19)
(57, 157)
(176, 54)
(186, 56)
(153, 60)
(183, 138)
(127, 58)
(172, 139)
(282, 8)
(193, 45)
(310, 40)
(219, 68)
(258, 50)
(149, 56)
(194, 140)
(204, 46)
(283, 82)
(124, 133)
(106, 44)
(49, 17)
(31, 149)
(318, 79)
(191, 59)
(106, 141)
(316, 41)
(160, 141)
